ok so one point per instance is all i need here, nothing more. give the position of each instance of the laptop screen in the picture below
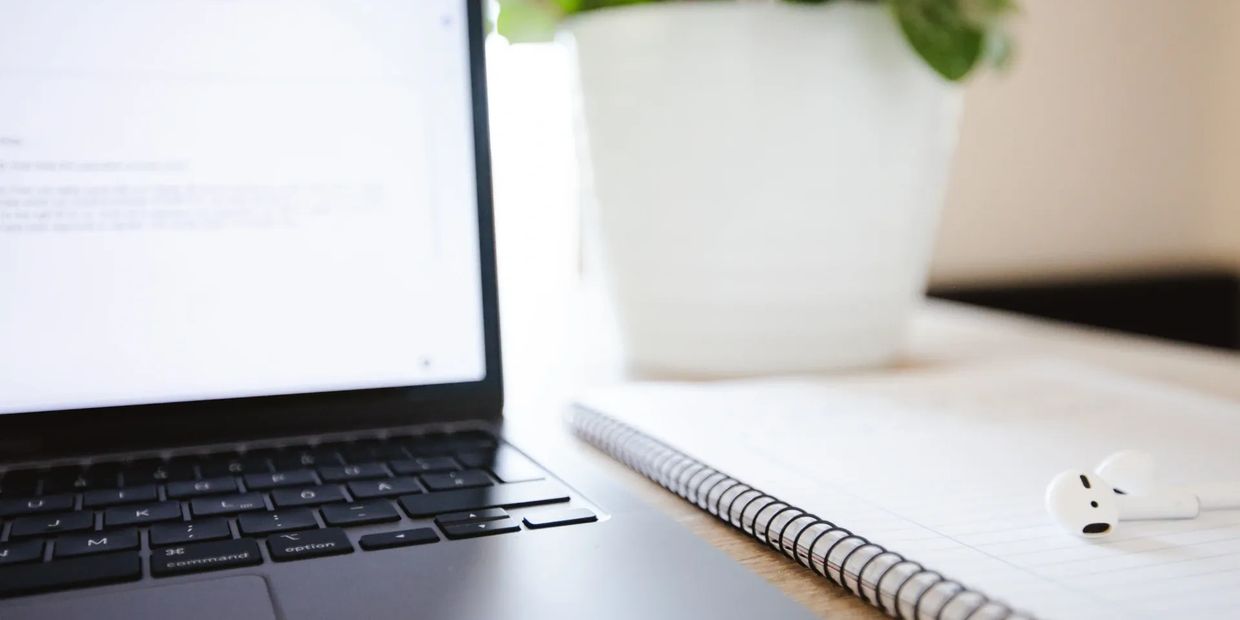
(205, 199)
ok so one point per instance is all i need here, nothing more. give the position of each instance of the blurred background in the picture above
(1097, 180)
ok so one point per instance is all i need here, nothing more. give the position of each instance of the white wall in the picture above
(1112, 145)
(1225, 201)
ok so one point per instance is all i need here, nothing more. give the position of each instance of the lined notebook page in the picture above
(948, 467)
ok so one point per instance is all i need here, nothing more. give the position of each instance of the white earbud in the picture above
(1087, 505)
(1132, 472)
(1129, 471)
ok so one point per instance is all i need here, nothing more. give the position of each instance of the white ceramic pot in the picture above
(767, 176)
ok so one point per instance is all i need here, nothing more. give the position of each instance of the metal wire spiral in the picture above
(885, 579)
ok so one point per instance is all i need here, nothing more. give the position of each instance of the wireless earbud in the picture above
(1129, 471)
(1132, 472)
(1082, 504)
(1087, 505)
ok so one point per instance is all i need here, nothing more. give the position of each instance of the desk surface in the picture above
(557, 339)
(941, 334)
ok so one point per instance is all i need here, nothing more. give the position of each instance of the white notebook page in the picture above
(948, 467)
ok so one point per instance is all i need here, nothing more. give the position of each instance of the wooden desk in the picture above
(942, 334)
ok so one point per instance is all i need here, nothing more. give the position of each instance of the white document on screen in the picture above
(948, 467)
(207, 199)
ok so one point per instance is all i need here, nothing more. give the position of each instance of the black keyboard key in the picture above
(73, 573)
(466, 479)
(301, 459)
(388, 451)
(361, 513)
(102, 498)
(18, 552)
(139, 515)
(234, 465)
(477, 436)
(198, 488)
(498, 496)
(263, 523)
(366, 451)
(201, 530)
(307, 496)
(175, 473)
(555, 518)
(199, 557)
(19, 483)
(361, 471)
(311, 544)
(390, 487)
(265, 455)
(76, 479)
(471, 516)
(289, 478)
(403, 538)
(480, 528)
(331, 447)
(227, 505)
(64, 480)
(438, 444)
(50, 525)
(95, 542)
(36, 505)
(507, 464)
(427, 465)
(464, 444)
(425, 447)
(105, 474)
(359, 451)
(479, 459)
(156, 471)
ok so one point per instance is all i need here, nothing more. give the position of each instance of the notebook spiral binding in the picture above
(898, 586)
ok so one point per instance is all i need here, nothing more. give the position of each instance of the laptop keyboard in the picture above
(69, 527)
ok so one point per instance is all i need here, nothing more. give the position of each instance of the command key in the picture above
(181, 559)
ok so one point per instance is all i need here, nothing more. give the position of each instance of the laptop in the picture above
(249, 348)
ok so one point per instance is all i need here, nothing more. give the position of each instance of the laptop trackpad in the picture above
(236, 598)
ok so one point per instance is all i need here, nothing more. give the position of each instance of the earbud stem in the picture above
(1166, 505)
(1217, 495)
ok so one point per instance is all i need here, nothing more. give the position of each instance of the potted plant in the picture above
(767, 175)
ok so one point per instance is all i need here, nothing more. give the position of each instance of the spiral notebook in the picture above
(921, 492)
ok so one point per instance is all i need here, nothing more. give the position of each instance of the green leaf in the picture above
(986, 13)
(528, 21)
(992, 16)
(940, 33)
(952, 36)
(574, 6)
